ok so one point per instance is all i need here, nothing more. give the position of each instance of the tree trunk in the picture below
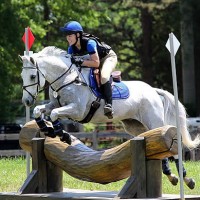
(146, 55)
(187, 44)
(46, 15)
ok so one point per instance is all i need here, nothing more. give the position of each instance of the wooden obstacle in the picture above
(139, 159)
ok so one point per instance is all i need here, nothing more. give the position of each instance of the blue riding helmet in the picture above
(72, 27)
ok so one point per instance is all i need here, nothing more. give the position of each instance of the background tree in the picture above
(9, 35)
(44, 17)
(188, 66)
(137, 31)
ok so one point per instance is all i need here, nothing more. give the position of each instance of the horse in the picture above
(140, 108)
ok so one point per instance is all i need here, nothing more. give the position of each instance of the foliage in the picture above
(137, 30)
(9, 35)
(44, 17)
(122, 30)
(89, 127)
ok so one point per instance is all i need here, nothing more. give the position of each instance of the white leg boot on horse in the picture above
(107, 93)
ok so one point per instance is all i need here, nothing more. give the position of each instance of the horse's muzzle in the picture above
(27, 102)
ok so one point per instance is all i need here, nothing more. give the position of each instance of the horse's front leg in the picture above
(68, 111)
(37, 112)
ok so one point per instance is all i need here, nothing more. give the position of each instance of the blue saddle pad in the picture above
(119, 89)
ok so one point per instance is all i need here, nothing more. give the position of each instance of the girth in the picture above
(93, 108)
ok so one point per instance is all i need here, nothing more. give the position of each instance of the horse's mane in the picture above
(52, 51)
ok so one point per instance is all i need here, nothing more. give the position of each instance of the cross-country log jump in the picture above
(99, 166)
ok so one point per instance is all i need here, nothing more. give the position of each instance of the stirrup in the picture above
(108, 111)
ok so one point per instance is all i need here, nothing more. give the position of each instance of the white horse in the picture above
(71, 96)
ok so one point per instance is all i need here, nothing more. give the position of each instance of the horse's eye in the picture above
(33, 77)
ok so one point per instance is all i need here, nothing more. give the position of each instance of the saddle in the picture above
(119, 89)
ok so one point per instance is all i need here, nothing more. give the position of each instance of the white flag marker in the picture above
(176, 44)
(172, 45)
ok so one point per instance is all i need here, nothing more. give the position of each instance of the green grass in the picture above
(13, 174)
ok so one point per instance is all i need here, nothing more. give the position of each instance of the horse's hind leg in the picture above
(190, 182)
(167, 171)
(134, 128)
(152, 119)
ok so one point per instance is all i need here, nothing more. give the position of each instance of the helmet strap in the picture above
(77, 38)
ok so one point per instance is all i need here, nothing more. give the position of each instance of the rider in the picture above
(100, 56)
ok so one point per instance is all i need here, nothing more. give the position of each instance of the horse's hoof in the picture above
(173, 179)
(190, 182)
(66, 138)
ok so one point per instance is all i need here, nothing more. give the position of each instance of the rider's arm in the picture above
(94, 57)
(92, 62)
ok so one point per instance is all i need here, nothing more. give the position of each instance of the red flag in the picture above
(31, 38)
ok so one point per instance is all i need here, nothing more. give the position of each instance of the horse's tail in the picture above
(170, 118)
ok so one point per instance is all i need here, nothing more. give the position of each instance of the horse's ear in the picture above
(32, 60)
(20, 58)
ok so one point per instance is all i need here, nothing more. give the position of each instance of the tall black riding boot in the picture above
(107, 92)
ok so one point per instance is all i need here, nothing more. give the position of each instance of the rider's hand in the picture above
(77, 60)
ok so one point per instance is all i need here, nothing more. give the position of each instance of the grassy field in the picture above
(13, 174)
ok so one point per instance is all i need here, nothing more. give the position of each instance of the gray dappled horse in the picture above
(71, 96)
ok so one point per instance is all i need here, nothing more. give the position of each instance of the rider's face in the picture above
(71, 39)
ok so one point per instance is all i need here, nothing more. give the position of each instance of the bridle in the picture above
(38, 81)
(24, 87)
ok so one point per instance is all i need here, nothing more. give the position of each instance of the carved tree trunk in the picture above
(100, 166)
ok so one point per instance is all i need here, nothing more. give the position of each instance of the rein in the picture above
(76, 80)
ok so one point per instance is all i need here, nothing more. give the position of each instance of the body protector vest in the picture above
(102, 48)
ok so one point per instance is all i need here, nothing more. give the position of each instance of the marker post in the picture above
(173, 45)
(28, 39)
(27, 108)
